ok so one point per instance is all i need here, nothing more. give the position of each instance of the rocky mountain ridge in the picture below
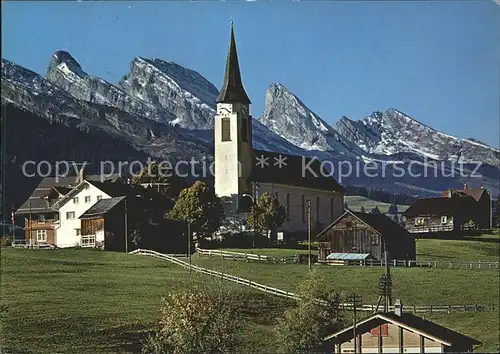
(165, 110)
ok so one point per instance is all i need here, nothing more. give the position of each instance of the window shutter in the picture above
(244, 130)
(226, 129)
(385, 329)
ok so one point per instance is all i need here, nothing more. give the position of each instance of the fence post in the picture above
(431, 308)
(449, 308)
(414, 309)
(435, 264)
(395, 263)
(451, 265)
(479, 265)
(465, 308)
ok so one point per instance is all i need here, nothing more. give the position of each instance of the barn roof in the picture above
(438, 206)
(267, 169)
(380, 222)
(409, 321)
(101, 207)
(475, 193)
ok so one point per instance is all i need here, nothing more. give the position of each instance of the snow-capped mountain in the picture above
(286, 115)
(392, 132)
(164, 110)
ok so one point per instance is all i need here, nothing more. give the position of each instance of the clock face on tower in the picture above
(224, 110)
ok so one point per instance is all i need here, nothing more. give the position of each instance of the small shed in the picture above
(103, 224)
(361, 233)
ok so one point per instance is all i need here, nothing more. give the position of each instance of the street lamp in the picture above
(309, 229)
(189, 238)
(254, 216)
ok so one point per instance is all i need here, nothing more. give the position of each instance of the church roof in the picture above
(267, 169)
(232, 89)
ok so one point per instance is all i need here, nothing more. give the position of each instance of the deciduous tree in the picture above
(269, 213)
(199, 206)
(195, 320)
(318, 314)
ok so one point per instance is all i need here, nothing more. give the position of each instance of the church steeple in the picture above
(232, 89)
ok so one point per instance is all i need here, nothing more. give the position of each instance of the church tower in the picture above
(233, 133)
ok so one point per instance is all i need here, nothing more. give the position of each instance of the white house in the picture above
(71, 207)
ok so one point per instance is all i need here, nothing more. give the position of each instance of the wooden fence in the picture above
(290, 295)
(358, 263)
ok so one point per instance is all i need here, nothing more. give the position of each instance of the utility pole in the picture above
(254, 211)
(189, 239)
(309, 230)
(31, 224)
(126, 227)
(355, 299)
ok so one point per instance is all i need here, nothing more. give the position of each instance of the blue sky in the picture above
(436, 61)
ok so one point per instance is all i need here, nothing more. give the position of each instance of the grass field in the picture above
(355, 202)
(87, 301)
(92, 301)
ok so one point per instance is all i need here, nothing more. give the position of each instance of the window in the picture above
(99, 197)
(86, 186)
(303, 208)
(276, 195)
(41, 236)
(444, 219)
(374, 239)
(288, 206)
(78, 232)
(244, 130)
(332, 210)
(419, 221)
(70, 215)
(75, 200)
(41, 218)
(384, 330)
(87, 199)
(226, 129)
(317, 209)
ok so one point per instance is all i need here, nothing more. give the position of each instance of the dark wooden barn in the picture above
(362, 233)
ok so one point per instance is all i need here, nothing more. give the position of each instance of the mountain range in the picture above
(164, 110)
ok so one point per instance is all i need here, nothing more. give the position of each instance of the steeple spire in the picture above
(232, 89)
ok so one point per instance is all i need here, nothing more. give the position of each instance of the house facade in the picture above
(244, 172)
(70, 208)
(454, 210)
(365, 234)
(398, 332)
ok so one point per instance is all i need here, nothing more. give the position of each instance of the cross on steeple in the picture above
(232, 88)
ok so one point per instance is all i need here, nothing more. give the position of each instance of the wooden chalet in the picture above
(398, 332)
(454, 210)
(40, 220)
(367, 236)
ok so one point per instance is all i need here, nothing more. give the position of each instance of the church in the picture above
(243, 173)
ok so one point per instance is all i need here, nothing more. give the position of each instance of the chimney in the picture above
(465, 186)
(448, 193)
(398, 307)
(81, 174)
